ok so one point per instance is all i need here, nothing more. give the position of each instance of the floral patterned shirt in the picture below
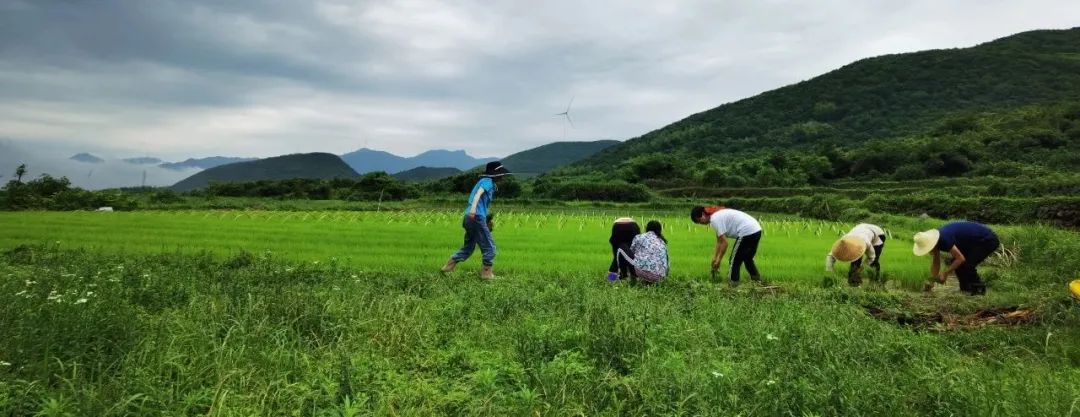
(650, 257)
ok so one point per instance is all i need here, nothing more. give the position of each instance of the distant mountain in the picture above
(144, 160)
(545, 158)
(369, 160)
(203, 163)
(87, 158)
(419, 174)
(443, 158)
(309, 165)
(906, 115)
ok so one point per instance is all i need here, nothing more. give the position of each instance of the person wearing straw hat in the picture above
(731, 223)
(969, 243)
(864, 241)
(477, 231)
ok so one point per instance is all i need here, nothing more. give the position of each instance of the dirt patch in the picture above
(938, 321)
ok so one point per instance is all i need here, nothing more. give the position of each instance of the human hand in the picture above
(472, 217)
(942, 277)
(715, 264)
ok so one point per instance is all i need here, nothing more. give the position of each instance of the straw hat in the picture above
(848, 249)
(925, 242)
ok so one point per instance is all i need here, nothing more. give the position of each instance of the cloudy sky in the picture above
(194, 78)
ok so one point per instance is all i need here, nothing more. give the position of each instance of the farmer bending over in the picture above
(863, 241)
(731, 223)
(969, 243)
(623, 232)
(477, 231)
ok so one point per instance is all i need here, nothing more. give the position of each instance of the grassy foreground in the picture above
(127, 315)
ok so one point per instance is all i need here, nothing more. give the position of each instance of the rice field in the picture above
(261, 313)
(793, 250)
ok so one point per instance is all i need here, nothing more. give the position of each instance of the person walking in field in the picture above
(623, 232)
(731, 223)
(477, 231)
(969, 243)
(864, 242)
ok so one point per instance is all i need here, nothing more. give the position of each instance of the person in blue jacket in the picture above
(477, 231)
(968, 243)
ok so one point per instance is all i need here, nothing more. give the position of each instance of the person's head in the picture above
(496, 171)
(848, 249)
(656, 228)
(697, 215)
(701, 215)
(925, 242)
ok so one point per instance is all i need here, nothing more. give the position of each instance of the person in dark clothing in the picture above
(968, 243)
(623, 232)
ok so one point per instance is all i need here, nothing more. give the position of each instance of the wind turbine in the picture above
(567, 115)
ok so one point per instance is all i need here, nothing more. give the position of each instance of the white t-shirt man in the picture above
(733, 223)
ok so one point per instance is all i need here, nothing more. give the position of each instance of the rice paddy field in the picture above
(327, 313)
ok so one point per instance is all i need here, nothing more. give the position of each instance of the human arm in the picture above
(475, 202)
(718, 254)
(958, 259)
(871, 254)
(829, 262)
(935, 265)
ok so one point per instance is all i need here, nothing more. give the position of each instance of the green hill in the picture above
(309, 165)
(420, 174)
(950, 112)
(545, 158)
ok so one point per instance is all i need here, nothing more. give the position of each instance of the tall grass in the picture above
(193, 334)
(334, 314)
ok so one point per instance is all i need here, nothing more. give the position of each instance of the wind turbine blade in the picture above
(571, 104)
(571, 121)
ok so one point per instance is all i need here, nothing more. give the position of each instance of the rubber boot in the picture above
(487, 273)
(449, 267)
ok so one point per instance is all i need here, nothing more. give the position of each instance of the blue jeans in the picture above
(476, 233)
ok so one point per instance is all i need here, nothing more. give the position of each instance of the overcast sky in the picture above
(182, 78)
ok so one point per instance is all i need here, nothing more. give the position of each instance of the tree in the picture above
(19, 172)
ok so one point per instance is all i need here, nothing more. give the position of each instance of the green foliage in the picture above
(50, 193)
(592, 190)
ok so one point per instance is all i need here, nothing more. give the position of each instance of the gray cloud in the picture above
(180, 78)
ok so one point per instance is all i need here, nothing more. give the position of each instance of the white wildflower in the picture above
(89, 293)
(770, 336)
(54, 296)
(717, 374)
(29, 283)
(770, 382)
(81, 301)
(2, 363)
(23, 292)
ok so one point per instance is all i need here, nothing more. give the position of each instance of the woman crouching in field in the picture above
(864, 241)
(477, 231)
(734, 224)
(623, 232)
(639, 255)
(651, 255)
(969, 243)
